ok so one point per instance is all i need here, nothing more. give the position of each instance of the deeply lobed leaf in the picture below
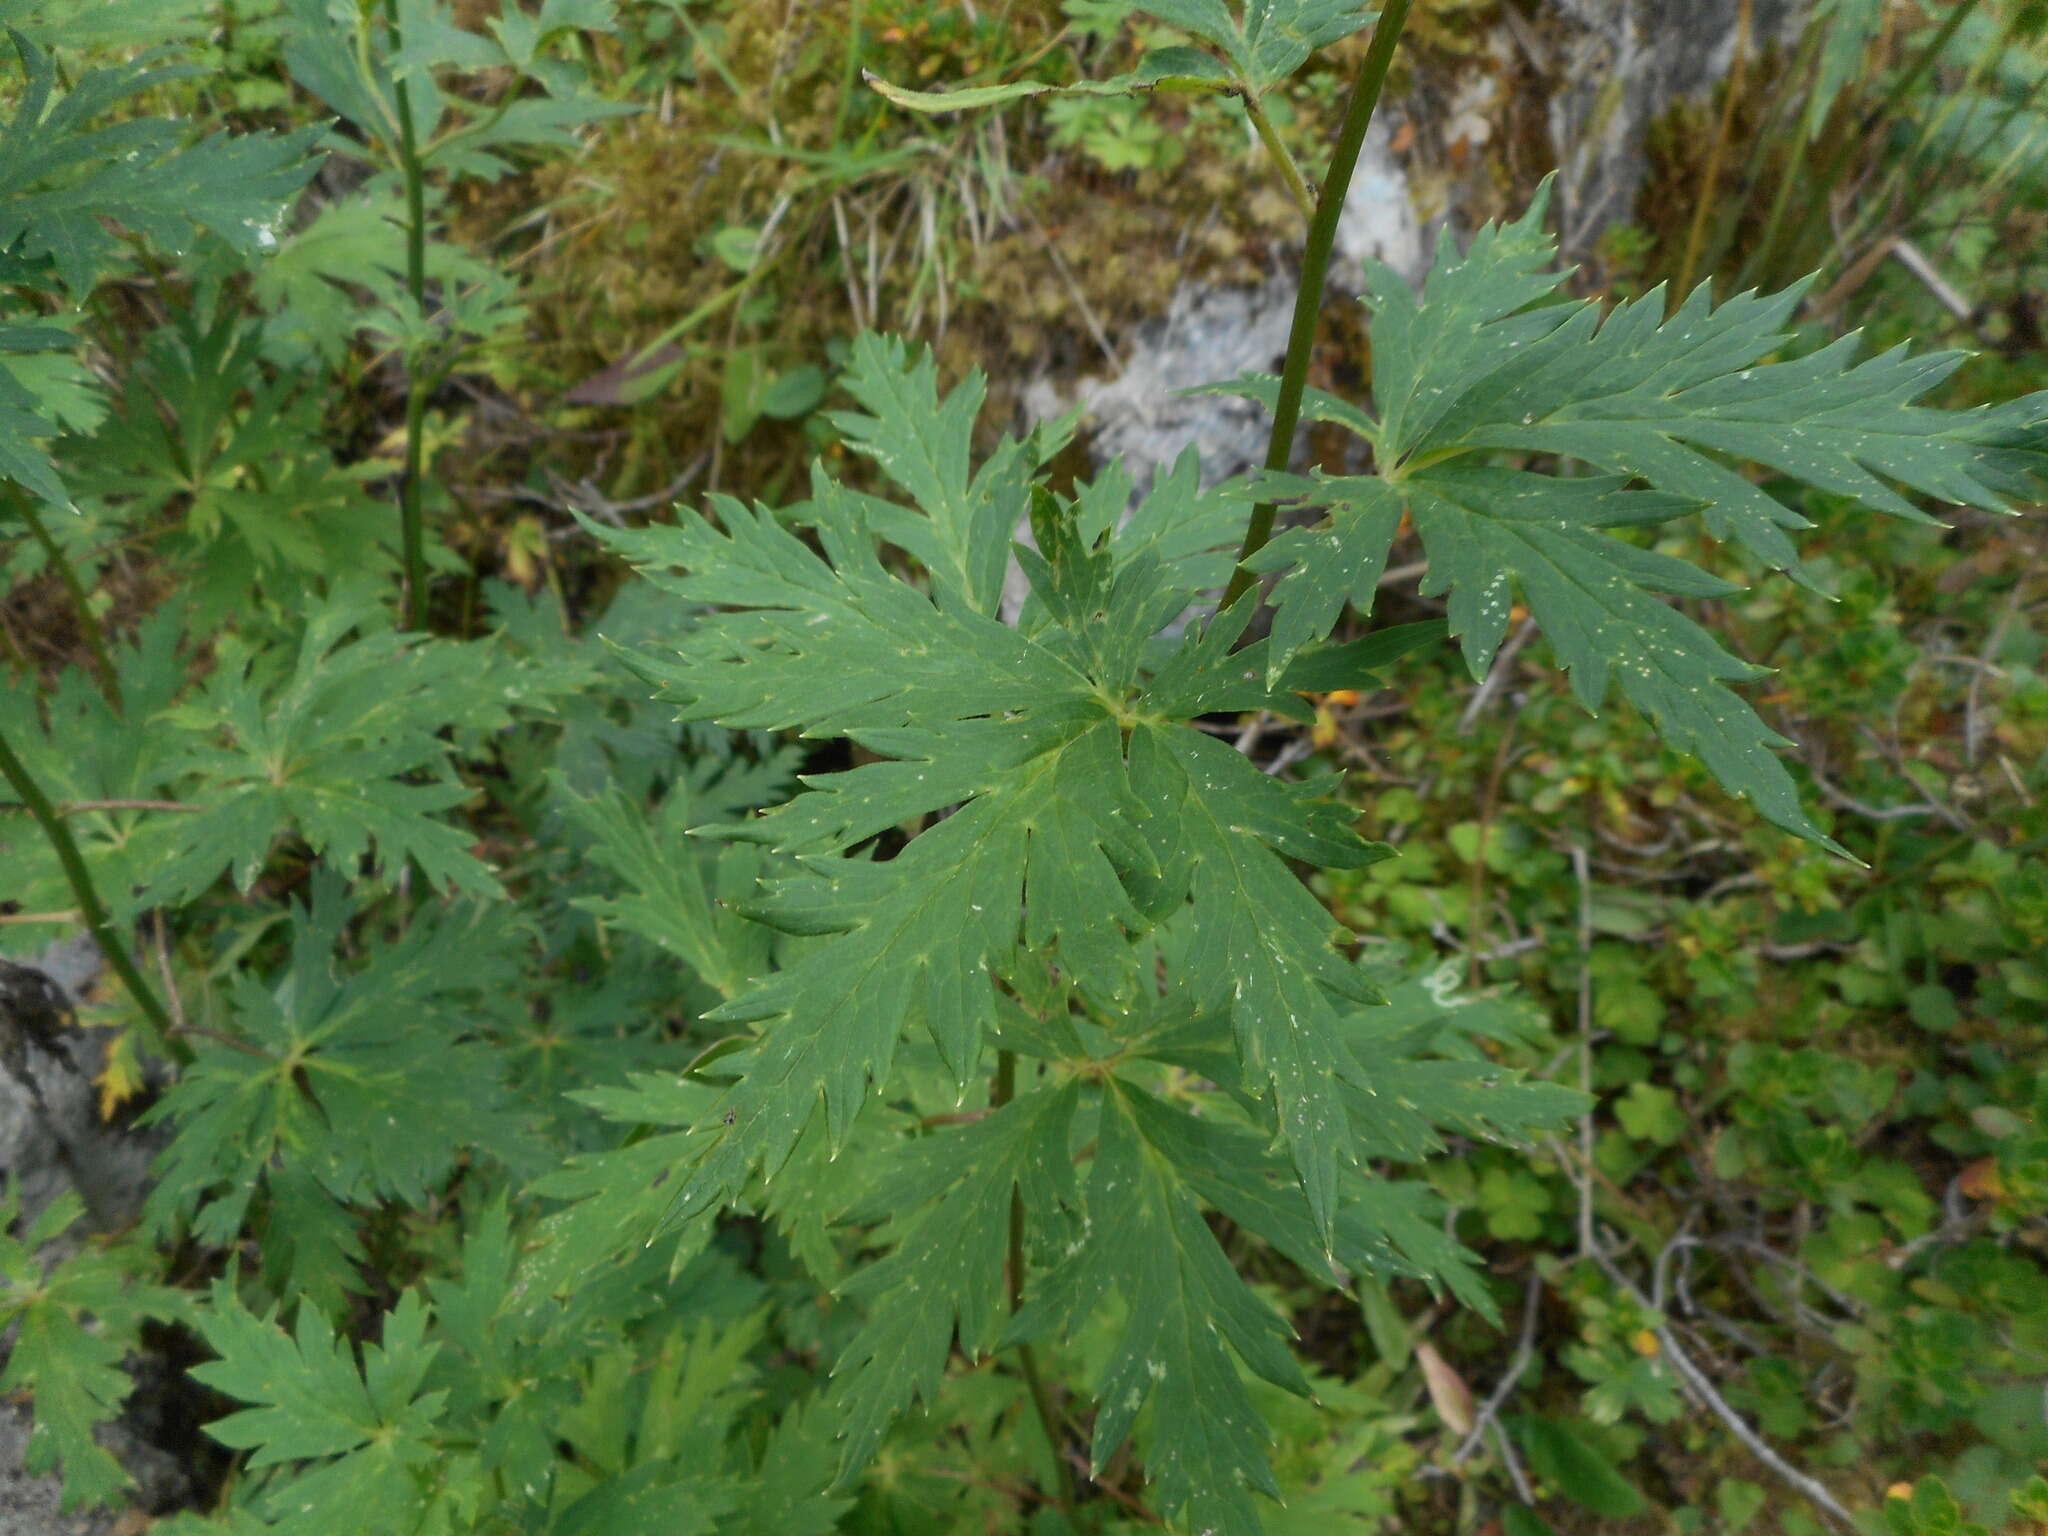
(1485, 360)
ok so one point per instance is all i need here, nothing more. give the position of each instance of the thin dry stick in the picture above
(1074, 292)
(1496, 675)
(1703, 1388)
(172, 1001)
(1525, 1350)
(1710, 180)
(1815, 1491)
(1908, 255)
(1475, 916)
(846, 264)
(1973, 719)
(1514, 1465)
(1585, 879)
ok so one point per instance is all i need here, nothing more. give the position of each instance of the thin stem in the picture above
(1001, 1091)
(413, 172)
(88, 898)
(1270, 137)
(1315, 272)
(83, 807)
(88, 624)
(1710, 182)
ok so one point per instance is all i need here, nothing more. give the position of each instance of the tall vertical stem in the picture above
(413, 173)
(1001, 1091)
(88, 623)
(1315, 273)
(16, 773)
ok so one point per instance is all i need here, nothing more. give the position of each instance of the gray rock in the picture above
(1211, 334)
(52, 1139)
(29, 1506)
(51, 1135)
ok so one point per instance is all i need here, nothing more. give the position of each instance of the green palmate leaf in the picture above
(80, 748)
(239, 469)
(622, 1195)
(68, 188)
(1074, 809)
(337, 1088)
(672, 897)
(335, 752)
(65, 186)
(1263, 41)
(1414, 1096)
(25, 416)
(961, 531)
(367, 1431)
(1084, 811)
(72, 1322)
(1191, 1321)
(950, 1194)
(1480, 361)
(1266, 959)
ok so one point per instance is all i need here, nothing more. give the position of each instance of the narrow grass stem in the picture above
(1831, 170)
(90, 907)
(88, 622)
(1001, 1091)
(412, 538)
(1315, 273)
(1803, 66)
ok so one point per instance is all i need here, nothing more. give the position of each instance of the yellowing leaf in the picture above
(121, 1078)
(1448, 1393)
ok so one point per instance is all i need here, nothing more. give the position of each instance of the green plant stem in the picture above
(89, 906)
(849, 77)
(1315, 273)
(412, 608)
(1270, 137)
(1803, 64)
(1001, 1091)
(88, 624)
